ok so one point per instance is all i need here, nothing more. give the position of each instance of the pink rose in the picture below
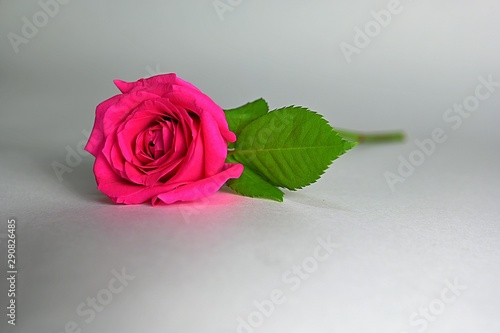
(162, 140)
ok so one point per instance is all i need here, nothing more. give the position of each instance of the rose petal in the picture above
(122, 109)
(120, 190)
(167, 79)
(201, 188)
(126, 136)
(114, 156)
(192, 167)
(215, 147)
(199, 103)
(96, 139)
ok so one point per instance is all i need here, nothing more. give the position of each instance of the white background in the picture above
(199, 267)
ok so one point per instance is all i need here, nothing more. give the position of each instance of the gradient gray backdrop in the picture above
(199, 267)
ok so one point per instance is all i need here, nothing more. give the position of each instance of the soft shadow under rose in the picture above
(162, 140)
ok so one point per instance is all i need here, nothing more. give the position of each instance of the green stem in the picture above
(396, 136)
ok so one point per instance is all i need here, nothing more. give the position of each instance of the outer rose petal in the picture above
(201, 188)
(197, 100)
(120, 190)
(215, 148)
(169, 79)
(96, 140)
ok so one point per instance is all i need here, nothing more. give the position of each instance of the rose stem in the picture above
(396, 136)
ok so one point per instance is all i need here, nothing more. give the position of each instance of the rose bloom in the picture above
(161, 139)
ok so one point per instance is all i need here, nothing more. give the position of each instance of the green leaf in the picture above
(239, 117)
(252, 185)
(289, 147)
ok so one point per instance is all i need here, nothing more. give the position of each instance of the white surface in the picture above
(198, 267)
